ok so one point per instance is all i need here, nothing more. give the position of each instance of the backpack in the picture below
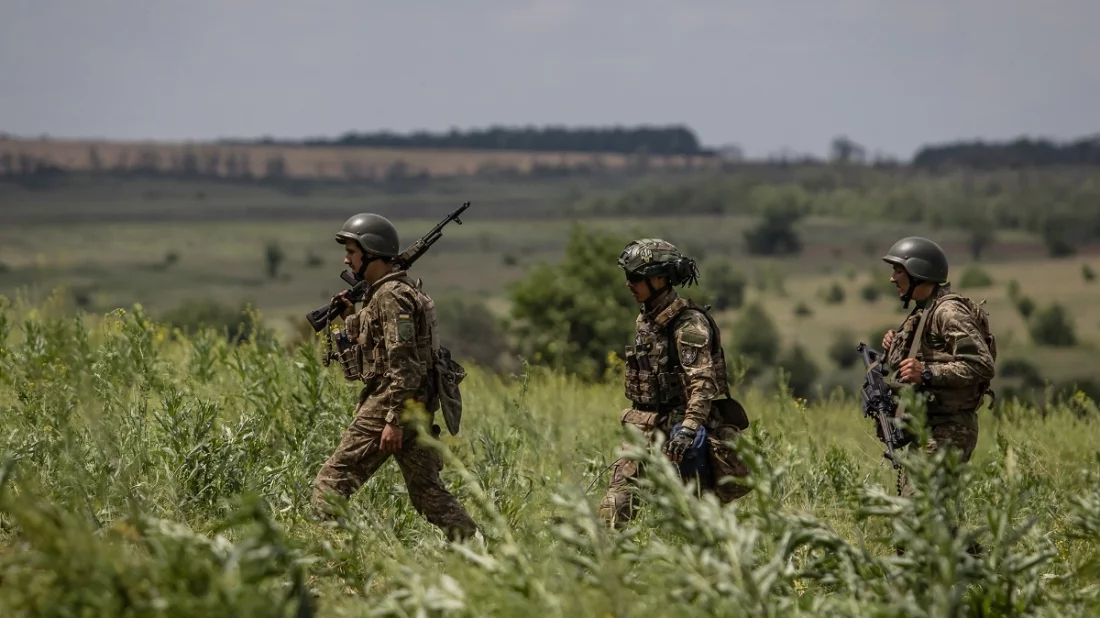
(981, 318)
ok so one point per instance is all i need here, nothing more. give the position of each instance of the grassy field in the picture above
(162, 265)
(147, 476)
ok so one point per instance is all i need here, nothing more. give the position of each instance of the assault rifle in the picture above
(879, 403)
(320, 317)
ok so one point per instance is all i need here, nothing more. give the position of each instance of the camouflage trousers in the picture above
(620, 504)
(358, 457)
(946, 435)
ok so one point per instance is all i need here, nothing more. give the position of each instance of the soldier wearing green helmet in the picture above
(389, 347)
(945, 348)
(675, 380)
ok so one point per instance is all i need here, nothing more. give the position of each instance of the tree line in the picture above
(657, 140)
(1022, 152)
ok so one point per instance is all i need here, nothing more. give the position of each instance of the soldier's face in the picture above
(353, 256)
(900, 279)
(642, 289)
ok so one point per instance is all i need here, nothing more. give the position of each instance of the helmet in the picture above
(653, 257)
(921, 258)
(374, 233)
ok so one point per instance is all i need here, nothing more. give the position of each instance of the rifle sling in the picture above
(914, 346)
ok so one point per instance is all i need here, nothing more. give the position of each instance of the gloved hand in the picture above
(679, 443)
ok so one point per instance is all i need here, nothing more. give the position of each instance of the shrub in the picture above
(726, 285)
(1053, 326)
(975, 277)
(843, 349)
(755, 336)
(834, 294)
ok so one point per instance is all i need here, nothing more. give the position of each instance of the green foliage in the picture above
(130, 487)
(802, 310)
(755, 336)
(833, 295)
(1053, 326)
(975, 277)
(571, 315)
(842, 350)
(800, 370)
(871, 291)
(1025, 306)
(273, 258)
(198, 314)
(775, 233)
(1087, 273)
(472, 333)
(726, 284)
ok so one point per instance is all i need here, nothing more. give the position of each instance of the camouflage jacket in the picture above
(956, 352)
(676, 364)
(393, 337)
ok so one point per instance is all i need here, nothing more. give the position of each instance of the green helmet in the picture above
(921, 258)
(653, 257)
(374, 233)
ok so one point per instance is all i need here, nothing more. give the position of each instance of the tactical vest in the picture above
(369, 353)
(655, 378)
(945, 401)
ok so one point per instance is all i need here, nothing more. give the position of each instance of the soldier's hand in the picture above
(679, 444)
(347, 307)
(391, 439)
(887, 340)
(910, 370)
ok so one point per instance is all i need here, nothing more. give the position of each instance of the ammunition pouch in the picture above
(349, 356)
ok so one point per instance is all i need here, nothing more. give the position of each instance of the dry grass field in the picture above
(331, 163)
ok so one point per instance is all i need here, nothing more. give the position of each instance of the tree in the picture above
(571, 315)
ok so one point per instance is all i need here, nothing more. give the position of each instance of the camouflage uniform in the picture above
(391, 341)
(955, 345)
(676, 373)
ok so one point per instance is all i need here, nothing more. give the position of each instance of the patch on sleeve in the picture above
(405, 328)
(688, 354)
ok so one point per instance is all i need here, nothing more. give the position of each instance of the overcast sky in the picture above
(768, 75)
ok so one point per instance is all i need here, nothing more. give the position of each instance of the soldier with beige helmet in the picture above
(676, 381)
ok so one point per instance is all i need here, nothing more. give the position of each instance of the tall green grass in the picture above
(149, 474)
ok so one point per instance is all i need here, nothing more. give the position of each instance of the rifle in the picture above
(320, 317)
(879, 403)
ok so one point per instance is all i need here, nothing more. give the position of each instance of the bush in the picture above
(1053, 326)
(1025, 306)
(755, 336)
(843, 349)
(834, 295)
(472, 333)
(801, 371)
(569, 316)
(1087, 273)
(1020, 369)
(194, 315)
(975, 277)
(870, 292)
(273, 258)
(802, 310)
(726, 285)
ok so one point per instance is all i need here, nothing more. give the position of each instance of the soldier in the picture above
(676, 381)
(389, 347)
(944, 348)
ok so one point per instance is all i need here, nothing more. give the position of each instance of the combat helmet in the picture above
(374, 233)
(922, 259)
(653, 257)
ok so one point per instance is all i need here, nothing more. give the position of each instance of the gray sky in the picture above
(891, 75)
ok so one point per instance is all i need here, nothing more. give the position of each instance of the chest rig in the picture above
(655, 377)
(362, 349)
